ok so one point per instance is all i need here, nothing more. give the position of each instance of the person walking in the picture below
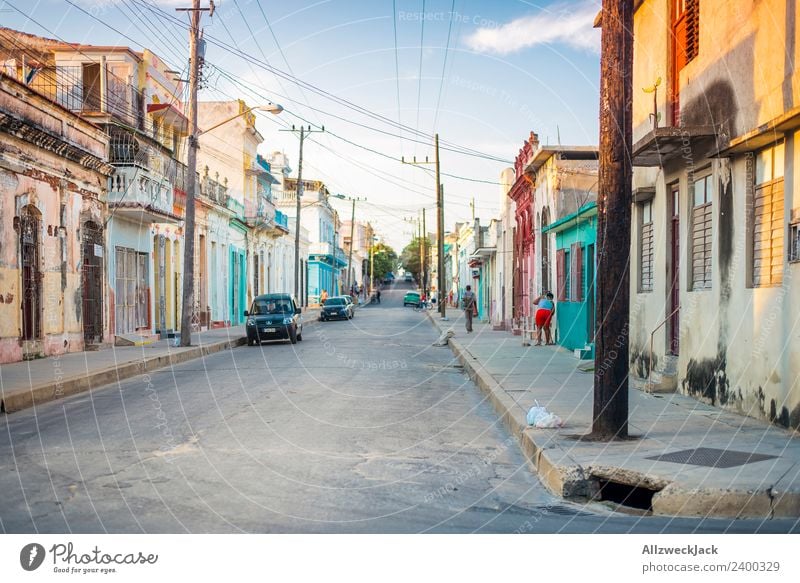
(323, 296)
(378, 295)
(468, 303)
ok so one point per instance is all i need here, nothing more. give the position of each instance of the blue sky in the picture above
(511, 67)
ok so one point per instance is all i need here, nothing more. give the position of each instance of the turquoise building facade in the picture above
(575, 243)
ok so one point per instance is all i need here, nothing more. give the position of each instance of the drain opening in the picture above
(627, 495)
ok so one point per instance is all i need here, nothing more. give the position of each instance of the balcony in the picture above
(80, 89)
(139, 196)
(236, 206)
(324, 252)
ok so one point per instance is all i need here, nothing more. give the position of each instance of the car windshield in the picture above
(334, 302)
(267, 306)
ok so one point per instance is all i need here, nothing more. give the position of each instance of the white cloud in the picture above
(569, 25)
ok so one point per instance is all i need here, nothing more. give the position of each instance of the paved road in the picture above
(362, 427)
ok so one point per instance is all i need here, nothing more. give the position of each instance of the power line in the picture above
(444, 63)
(449, 146)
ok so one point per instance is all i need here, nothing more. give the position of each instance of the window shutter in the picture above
(577, 273)
(692, 29)
(560, 274)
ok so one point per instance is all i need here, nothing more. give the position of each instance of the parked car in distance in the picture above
(411, 299)
(274, 317)
(335, 308)
(409, 277)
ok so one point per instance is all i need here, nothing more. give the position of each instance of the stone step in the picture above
(135, 339)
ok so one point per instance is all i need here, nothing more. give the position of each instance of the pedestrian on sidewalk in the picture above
(468, 303)
(545, 308)
(378, 295)
(323, 296)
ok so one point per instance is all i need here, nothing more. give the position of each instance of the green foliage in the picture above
(384, 260)
(410, 258)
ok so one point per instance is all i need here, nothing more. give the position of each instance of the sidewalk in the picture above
(724, 480)
(29, 383)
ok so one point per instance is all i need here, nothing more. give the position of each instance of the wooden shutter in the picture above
(768, 234)
(576, 293)
(646, 257)
(560, 276)
(692, 29)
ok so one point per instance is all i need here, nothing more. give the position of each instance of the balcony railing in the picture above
(79, 89)
(136, 186)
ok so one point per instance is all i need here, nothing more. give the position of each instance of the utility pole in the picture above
(350, 251)
(187, 308)
(424, 255)
(440, 279)
(610, 415)
(299, 194)
(440, 236)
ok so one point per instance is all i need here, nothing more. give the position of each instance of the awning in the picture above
(764, 135)
(663, 145)
(168, 114)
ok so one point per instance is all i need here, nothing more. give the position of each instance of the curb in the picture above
(566, 478)
(23, 399)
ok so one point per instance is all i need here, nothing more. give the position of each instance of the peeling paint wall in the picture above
(61, 191)
(739, 344)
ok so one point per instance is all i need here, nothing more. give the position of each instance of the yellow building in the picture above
(715, 261)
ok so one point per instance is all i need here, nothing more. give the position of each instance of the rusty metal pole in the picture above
(610, 416)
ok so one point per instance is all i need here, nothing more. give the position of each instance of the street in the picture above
(361, 427)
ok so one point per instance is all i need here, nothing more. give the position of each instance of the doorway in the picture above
(673, 272)
(92, 282)
(31, 274)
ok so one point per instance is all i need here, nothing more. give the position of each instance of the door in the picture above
(31, 275)
(673, 273)
(92, 282)
(591, 321)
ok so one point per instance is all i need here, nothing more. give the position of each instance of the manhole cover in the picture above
(712, 458)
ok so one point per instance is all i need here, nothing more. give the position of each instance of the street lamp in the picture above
(187, 306)
(272, 108)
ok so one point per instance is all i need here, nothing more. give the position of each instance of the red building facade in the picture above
(522, 194)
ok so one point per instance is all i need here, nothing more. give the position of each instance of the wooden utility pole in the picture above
(440, 279)
(610, 419)
(350, 251)
(440, 236)
(425, 256)
(299, 195)
(187, 308)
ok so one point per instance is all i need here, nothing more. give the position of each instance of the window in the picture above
(701, 199)
(646, 246)
(794, 242)
(561, 275)
(767, 217)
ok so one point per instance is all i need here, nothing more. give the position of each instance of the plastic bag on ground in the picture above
(541, 418)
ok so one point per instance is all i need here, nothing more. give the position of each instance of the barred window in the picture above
(646, 246)
(767, 224)
(701, 233)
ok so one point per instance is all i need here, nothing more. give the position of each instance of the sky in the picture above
(382, 77)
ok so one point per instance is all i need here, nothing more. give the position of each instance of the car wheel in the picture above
(293, 335)
(300, 336)
(251, 342)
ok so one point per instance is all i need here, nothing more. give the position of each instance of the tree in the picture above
(410, 259)
(384, 260)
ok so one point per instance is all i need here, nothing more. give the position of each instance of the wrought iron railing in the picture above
(78, 88)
